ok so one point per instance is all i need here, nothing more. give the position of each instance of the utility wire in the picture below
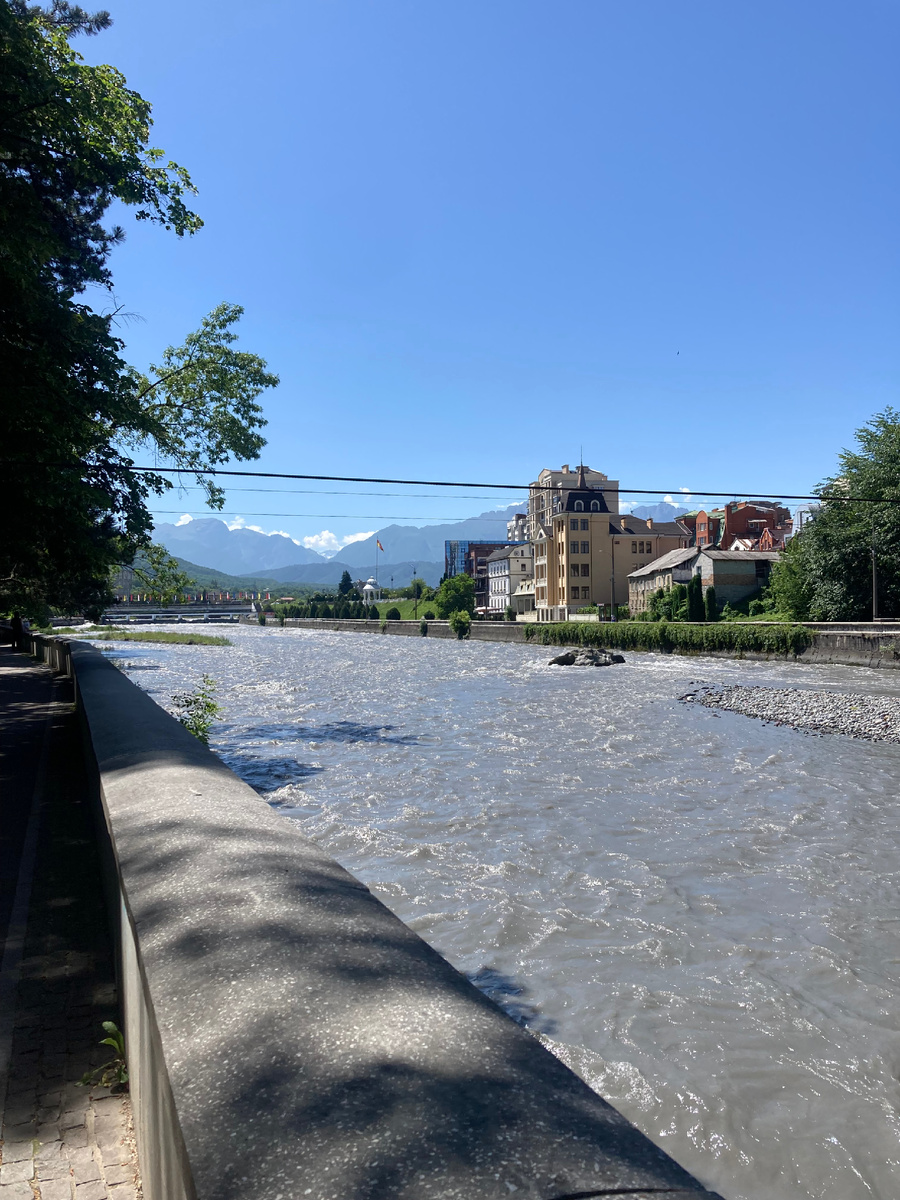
(514, 487)
(216, 512)
(504, 487)
(317, 492)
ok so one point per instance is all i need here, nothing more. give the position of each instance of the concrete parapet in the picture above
(288, 1036)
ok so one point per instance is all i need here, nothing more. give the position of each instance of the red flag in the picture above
(379, 545)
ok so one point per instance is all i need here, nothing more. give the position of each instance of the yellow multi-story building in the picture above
(584, 548)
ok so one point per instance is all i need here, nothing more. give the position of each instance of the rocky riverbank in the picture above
(875, 718)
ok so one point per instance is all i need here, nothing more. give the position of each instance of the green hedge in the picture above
(668, 637)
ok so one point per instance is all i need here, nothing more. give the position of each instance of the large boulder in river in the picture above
(586, 657)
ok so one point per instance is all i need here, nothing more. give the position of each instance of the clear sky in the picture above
(475, 238)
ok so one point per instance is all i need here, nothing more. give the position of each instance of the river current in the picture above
(698, 912)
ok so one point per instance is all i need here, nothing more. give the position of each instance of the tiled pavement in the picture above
(58, 1141)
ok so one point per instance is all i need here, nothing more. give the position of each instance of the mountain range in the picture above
(659, 512)
(408, 549)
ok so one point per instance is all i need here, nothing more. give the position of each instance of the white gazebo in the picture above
(371, 592)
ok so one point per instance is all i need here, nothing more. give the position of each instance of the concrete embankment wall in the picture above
(287, 1035)
(840, 644)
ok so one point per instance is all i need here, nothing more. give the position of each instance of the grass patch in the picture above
(102, 633)
(730, 636)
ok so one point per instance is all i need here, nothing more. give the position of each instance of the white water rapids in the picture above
(701, 910)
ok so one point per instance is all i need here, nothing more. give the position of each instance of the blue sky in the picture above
(474, 239)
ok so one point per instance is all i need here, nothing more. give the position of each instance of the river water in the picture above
(696, 911)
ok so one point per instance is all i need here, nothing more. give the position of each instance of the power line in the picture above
(505, 487)
(514, 487)
(318, 492)
(323, 516)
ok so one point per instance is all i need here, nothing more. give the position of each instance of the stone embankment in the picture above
(287, 1035)
(875, 718)
(838, 643)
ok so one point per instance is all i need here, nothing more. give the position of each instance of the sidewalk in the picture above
(58, 1141)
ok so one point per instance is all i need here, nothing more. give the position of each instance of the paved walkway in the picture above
(58, 1141)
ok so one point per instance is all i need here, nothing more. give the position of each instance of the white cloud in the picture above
(240, 523)
(184, 519)
(329, 544)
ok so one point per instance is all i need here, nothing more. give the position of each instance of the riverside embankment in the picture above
(694, 910)
(286, 1034)
(838, 643)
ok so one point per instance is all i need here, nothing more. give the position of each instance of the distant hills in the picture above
(659, 512)
(236, 558)
(236, 551)
(408, 550)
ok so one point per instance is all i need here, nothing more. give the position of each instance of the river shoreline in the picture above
(846, 646)
(694, 911)
(872, 718)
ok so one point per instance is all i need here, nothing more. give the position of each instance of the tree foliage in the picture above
(825, 573)
(74, 139)
(159, 574)
(711, 607)
(456, 594)
(345, 587)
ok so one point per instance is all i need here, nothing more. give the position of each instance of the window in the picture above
(634, 547)
(574, 568)
(573, 547)
(573, 524)
(579, 506)
(585, 568)
(585, 524)
(595, 506)
(585, 547)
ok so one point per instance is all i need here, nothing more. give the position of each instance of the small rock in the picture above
(586, 657)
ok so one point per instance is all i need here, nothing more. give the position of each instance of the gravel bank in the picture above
(875, 718)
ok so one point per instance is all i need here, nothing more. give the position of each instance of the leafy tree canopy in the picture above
(74, 139)
(826, 571)
(456, 594)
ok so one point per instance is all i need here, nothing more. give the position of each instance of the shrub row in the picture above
(682, 639)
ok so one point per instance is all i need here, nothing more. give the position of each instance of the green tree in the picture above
(791, 586)
(74, 140)
(461, 623)
(159, 573)
(456, 594)
(345, 587)
(710, 606)
(825, 573)
(695, 611)
(392, 614)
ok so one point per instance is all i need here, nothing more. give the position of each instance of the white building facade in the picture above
(508, 569)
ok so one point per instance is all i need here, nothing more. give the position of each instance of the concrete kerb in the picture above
(288, 1035)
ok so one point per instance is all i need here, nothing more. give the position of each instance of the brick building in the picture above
(741, 525)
